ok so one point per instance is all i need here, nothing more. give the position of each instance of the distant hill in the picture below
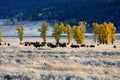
(67, 11)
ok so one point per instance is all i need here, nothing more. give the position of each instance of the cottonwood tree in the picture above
(0, 36)
(113, 32)
(20, 29)
(69, 32)
(43, 30)
(79, 32)
(58, 31)
(83, 25)
(95, 31)
(104, 33)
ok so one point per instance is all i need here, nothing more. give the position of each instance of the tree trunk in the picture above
(112, 42)
(44, 40)
(58, 41)
(68, 41)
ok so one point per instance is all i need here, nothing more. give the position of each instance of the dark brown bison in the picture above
(92, 46)
(75, 46)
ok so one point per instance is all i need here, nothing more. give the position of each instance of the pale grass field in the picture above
(62, 61)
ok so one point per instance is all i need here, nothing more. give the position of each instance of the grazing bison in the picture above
(87, 46)
(48, 44)
(36, 45)
(39, 45)
(32, 43)
(26, 44)
(83, 45)
(43, 43)
(21, 43)
(68, 43)
(98, 44)
(114, 47)
(74, 46)
(62, 45)
(8, 44)
(92, 46)
(51, 45)
(5, 43)
(29, 44)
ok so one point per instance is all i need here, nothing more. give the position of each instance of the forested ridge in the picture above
(67, 11)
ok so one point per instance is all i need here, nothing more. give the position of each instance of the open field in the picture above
(19, 62)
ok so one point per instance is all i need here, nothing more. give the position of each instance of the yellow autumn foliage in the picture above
(79, 32)
(0, 35)
(104, 33)
(69, 32)
(58, 30)
(20, 29)
(43, 30)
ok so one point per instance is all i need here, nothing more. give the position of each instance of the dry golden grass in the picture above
(62, 64)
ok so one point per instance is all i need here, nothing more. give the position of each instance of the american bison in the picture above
(5, 43)
(98, 44)
(43, 43)
(75, 46)
(92, 46)
(87, 46)
(114, 47)
(51, 45)
(62, 45)
(8, 44)
(83, 45)
(38, 45)
(26, 44)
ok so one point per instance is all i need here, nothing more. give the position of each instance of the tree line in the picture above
(104, 33)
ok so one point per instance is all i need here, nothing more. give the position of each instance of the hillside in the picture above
(67, 11)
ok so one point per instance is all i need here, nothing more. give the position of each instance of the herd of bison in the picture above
(51, 45)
